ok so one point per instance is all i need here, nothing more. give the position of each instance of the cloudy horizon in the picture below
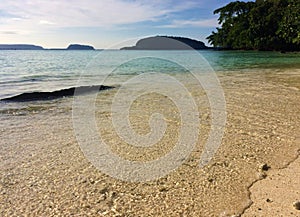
(103, 23)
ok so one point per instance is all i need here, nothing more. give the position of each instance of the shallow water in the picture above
(31, 71)
(44, 172)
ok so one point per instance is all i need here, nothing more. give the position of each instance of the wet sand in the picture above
(44, 172)
(277, 194)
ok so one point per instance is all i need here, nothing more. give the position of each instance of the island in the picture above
(20, 47)
(35, 47)
(79, 47)
(167, 43)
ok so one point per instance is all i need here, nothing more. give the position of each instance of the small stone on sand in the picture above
(265, 167)
(296, 205)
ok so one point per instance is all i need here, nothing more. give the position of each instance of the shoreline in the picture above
(261, 119)
(263, 189)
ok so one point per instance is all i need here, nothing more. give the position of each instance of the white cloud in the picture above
(89, 13)
(16, 19)
(192, 23)
(45, 22)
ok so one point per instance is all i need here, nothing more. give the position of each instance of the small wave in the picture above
(37, 78)
(38, 96)
(21, 81)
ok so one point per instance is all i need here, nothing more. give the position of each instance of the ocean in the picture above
(43, 71)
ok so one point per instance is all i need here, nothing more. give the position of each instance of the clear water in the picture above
(30, 71)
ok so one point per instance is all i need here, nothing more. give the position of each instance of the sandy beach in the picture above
(255, 172)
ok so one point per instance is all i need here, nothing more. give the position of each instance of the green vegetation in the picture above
(259, 25)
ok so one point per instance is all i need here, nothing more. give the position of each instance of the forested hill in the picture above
(20, 47)
(167, 43)
(259, 25)
(35, 47)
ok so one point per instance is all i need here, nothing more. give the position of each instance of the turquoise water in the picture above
(251, 60)
(30, 71)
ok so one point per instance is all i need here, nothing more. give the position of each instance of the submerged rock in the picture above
(36, 96)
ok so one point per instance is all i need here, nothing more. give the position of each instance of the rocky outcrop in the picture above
(37, 96)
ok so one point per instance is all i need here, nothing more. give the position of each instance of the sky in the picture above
(104, 23)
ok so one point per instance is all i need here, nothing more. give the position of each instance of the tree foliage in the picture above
(259, 25)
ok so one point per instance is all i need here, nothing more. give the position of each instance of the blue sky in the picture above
(103, 23)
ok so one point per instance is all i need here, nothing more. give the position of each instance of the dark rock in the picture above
(296, 205)
(265, 167)
(36, 96)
